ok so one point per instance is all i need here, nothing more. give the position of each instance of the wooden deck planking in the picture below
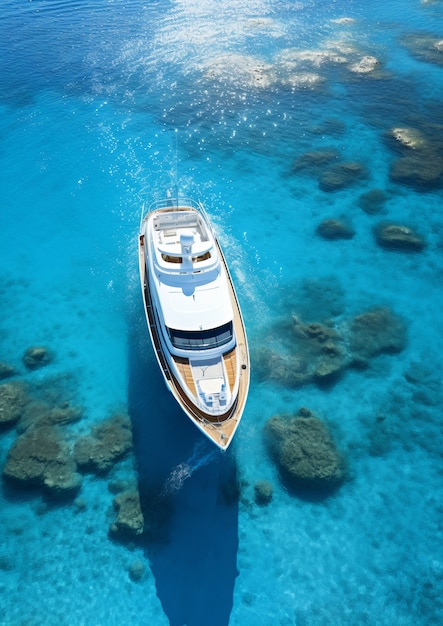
(185, 370)
(230, 360)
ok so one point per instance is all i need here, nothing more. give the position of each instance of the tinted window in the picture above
(201, 339)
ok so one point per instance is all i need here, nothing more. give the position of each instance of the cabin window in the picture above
(201, 339)
(178, 259)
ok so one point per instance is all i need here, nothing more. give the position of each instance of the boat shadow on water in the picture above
(189, 498)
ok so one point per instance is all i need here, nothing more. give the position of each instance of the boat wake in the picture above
(184, 470)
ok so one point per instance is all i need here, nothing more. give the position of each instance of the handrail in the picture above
(178, 201)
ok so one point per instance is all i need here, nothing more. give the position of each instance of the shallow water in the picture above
(104, 106)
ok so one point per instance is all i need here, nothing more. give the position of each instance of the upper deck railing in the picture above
(178, 201)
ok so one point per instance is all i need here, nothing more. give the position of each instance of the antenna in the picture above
(176, 167)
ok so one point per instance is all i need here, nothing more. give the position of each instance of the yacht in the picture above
(194, 317)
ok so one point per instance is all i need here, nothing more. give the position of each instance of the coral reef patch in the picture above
(420, 164)
(263, 491)
(335, 229)
(136, 570)
(331, 172)
(6, 370)
(13, 399)
(41, 413)
(304, 452)
(129, 522)
(320, 352)
(312, 162)
(425, 47)
(398, 237)
(107, 443)
(375, 332)
(373, 201)
(42, 457)
(342, 175)
(37, 356)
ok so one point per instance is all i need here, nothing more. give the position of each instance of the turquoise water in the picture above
(104, 105)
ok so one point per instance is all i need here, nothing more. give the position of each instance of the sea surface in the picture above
(277, 115)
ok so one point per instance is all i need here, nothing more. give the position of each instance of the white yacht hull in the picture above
(210, 385)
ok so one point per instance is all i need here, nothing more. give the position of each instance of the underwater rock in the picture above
(129, 521)
(311, 162)
(421, 170)
(304, 452)
(327, 370)
(118, 485)
(424, 47)
(244, 70)
(375, 332)
(372, 201)
(108, 442)
(317, 355)
(398, 237)
(333, 127)
(263, 492)
(410, 138)
(136, 570)
(419, 373)
(335, 229)
(302, 80)
(41, 457)
(421, 156)
(291, 371)
(13, 399)
(365, 65)
(41, 414)
(6, 370)
(37, 356)
(341, 176)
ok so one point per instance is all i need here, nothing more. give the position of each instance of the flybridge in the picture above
(182, 243)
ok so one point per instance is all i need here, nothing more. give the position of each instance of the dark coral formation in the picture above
(108, 442)
(305, 453)
(420, 164)
(421, 170)
(6, 370)
(342, 175)
(333, 127)
(39, 413)
(37, 356)
(313, 162)
(41, 457)
(332, 173)
(129, 521)
(398, 237)
(263, 492)
(316, 354)
(424, 47)
(13, 399)
(136, 570)
(335, 229)
(375, 332)
(320, 353)
(373, 201)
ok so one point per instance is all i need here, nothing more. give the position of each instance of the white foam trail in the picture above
(184, 470)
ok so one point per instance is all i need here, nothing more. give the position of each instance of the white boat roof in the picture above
(209, 306)
(192, 296)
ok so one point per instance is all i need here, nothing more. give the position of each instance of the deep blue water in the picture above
(106, 104)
